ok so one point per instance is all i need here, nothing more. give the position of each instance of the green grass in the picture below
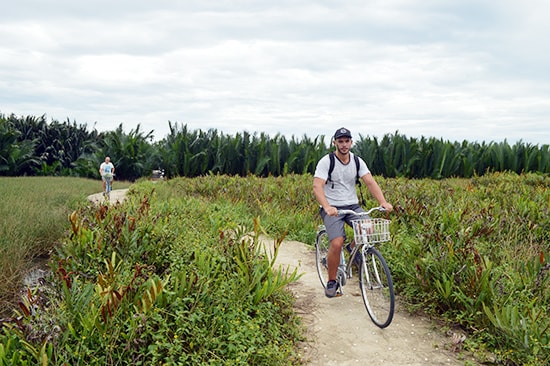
(33, 218)
(165, 278)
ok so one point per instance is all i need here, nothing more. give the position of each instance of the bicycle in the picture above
(374, 274)
(108, 185)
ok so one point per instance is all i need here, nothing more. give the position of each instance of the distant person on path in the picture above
(336, 191)
(107, 171)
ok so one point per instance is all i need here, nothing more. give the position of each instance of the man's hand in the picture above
(331, 211)
(387, 206)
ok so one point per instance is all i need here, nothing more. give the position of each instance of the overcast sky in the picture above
(452, 69)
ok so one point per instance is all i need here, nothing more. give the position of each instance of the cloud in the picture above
(473, 70)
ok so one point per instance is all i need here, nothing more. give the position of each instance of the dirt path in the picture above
(341, 333)
(339, 329)
(117, 195)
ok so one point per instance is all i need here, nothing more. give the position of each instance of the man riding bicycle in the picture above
(334, 189)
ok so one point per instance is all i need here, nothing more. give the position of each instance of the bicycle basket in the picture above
(371, 231)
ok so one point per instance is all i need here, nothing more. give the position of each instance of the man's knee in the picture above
(337, 243)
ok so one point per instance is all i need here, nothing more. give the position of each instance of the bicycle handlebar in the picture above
(351, 212)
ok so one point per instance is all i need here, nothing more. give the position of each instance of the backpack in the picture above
(332, 158)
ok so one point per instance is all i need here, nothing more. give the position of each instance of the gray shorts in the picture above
(335, 224)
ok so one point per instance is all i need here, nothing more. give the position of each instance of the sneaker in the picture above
(357, 260)
(332, 288)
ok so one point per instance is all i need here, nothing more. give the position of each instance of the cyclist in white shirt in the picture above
(107, 171)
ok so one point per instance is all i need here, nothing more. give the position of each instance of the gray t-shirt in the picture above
(341, 191)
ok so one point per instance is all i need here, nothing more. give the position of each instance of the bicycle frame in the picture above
(360, 244)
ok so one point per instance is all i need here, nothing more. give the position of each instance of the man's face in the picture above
(343, 144)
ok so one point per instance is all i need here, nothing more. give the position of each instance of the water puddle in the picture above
(37, 273)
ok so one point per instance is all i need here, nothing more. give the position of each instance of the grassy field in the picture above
(161, 278)
(33, 218)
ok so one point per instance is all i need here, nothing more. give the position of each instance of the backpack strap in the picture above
(356, 158)
(358, 181)
(331, 168)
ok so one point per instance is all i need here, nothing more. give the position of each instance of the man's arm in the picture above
(319, 193)
(376, 192)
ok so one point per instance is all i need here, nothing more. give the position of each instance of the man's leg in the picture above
(333, 260)
(335, 230)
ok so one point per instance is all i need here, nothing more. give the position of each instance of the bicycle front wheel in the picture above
(322, 245)
(377, 287)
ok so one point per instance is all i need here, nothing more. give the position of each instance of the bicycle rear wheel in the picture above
(377, 287)
(322, 245)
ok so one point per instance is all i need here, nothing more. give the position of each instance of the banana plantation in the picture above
(32, 146)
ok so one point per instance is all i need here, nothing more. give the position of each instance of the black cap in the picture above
(342, 132)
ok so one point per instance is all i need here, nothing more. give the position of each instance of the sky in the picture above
(451, 69)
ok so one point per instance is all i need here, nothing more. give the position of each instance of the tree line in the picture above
(30, 146)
